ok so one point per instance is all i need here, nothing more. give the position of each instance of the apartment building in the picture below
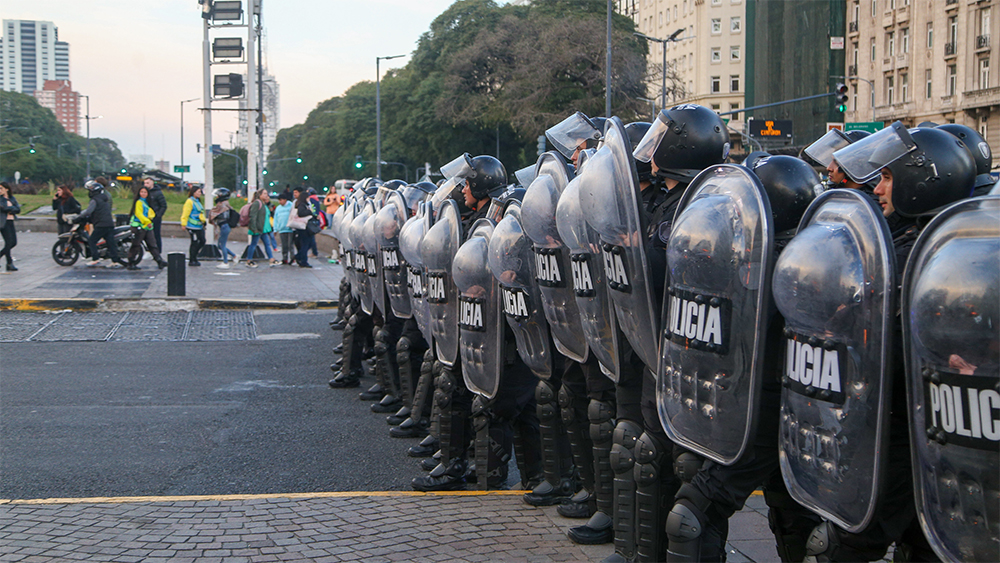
(58, 96)
(926, 60)
(30, 54)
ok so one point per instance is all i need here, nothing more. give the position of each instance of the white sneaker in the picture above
(224, 266)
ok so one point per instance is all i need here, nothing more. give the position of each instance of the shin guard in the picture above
(573, 411)
(601, 415)
(622, 460)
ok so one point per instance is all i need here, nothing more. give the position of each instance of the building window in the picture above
(854, 95)
(734, 53)
(953, 30)
(930, 34)
(716, 2)
(984, 74)
(982, 125)
(904, 38)
(735, 24)
(716, 84)
(873, 49)
(734, 83)
(733, 107)
(715, 108)
(716, 26)
(927, 79)
(716, 54)
(984, 22)
(952, 79)
(874, 8)
(890, 43)
(890, 89)
(904, 87)
(857, 11)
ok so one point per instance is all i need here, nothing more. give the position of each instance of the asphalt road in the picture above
(191, 418)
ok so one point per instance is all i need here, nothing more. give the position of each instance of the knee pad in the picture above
(565, 400)
(648, 456)
(625, 436)
(545, 401)
(403, 350)
(601, 415)
(823, 542)
(381, 346)
(686, 466)
(685, 526)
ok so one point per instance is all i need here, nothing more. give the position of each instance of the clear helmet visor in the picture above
(567, 135)
(862, 161)
(525, 175)
(446, 191)
(822, 150)
(461, 167)
(495, 212)
(643, 151)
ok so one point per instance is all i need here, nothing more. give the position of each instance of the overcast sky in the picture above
(138, 59)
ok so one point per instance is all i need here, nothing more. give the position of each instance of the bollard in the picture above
(176, 264)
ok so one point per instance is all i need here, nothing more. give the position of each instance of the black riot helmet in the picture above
(500, 201)
(636, 131)
(393, 185)
(683, 141)
(600, 123)
(855, 135)
(791, 185)
(488, 176)
(221, 194)
(940, 171)
(752, 158)
(979, 148)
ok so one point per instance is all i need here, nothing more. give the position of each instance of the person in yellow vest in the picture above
(142, 230)
(193, 222)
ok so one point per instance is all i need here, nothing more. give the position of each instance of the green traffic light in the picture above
(299, 160)
(265, 172)
(358, 165)
(32, 151)
(842, 108)
(244, 182)
(305, 177)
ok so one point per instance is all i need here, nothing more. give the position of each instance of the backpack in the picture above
(232, 218)
(245, 216)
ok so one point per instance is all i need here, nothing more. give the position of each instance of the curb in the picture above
(77, 304)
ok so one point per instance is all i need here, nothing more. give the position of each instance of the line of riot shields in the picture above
(664, 331)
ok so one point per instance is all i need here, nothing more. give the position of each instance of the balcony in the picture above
(852, 27)
(981, 98)
(950, 2)
(892, 112)
(982, 42)
(949, 50)
(902, 14)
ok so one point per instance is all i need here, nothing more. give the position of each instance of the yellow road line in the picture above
(196, 498)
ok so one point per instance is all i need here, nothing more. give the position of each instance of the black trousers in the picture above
(138, 236)
(9, 240)
(108, 234)
(197, 243)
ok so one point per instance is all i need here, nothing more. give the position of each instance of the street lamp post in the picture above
(663, 47)
(182, 135)
(88, 134)
(652, 108)
(378, 116)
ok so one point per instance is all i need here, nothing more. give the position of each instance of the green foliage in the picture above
(229, 171)
(482, 74)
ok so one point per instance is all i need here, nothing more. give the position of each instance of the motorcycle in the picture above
(76, 242)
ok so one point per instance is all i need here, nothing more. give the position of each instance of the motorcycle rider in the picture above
(142, 230)
(99, 214)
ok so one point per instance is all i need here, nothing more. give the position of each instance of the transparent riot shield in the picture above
(715, 312)
(388, 222)
(335, 221)
(611, 198)
(437, 251)
(597, 312)
(361, 258)
(835, 283)
(951, 335)
(346, 247)
(480, 322)
(410, 237)
(553, 264)
(374, 258)
(511, 263)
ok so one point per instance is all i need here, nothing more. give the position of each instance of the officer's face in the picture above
(884, 192)
(470, 201)
(836, 176)
(576, 153)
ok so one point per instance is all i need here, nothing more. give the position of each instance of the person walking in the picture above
(159, 204)
(224, 216)
(99, 214)
(281, 214)
(141, 224)
(307, 209)
(193, 221)
(260, 223)
(9, 209)
(64, 204)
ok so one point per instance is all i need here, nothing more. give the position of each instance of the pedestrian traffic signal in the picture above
(357, 162)
(31, 148)
(840, 96)
(298, 157)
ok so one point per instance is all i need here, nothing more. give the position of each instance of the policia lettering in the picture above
(614, 268)
(470, 314)
(962, 411)
(515, 302)
(813, 367)
(583, 279)
(390, 259)
(415, 282)
(699, 321)
(547, 270)
(437, 291)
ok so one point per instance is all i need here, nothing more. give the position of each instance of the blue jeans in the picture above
(252, 248)
(306, 240)
(224, 230)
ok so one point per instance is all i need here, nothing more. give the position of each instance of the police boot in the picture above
(449, 477)
(403, 360)
(558, 485)
(426, 448)
(492, 446)
(622, 460)
(421, 408)
(653, 496)
(600, 529)
(528, 455)
(573, 410)
(429, 463)
(348, 376)
(385, 366)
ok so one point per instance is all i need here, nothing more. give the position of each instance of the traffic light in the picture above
(325, 189)
(304, 177)
(124, 171)
(264, 172)
(840, 96)
(298, 157)
(357, 162)
(31, 148)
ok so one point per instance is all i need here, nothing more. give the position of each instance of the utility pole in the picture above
(206, 49)
(182, 136)
(378, 116)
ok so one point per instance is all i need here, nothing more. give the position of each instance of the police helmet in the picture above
(683, 141)
(979, 148)
(752, 158)
(636, 131)
(488, 176)
(939, 171)
(394, 184)
(791, 185)
(855, 135)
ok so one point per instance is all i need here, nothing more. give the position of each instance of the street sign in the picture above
(870, 126)
(771, 129)
(834, 125)
(216, 149)
(179, 168)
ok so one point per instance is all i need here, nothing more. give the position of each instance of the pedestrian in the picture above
(281, 214)
(193, 221)
(308, 210)
(260, 224)
(159, 204)
(141, 225)
(64, 204)
(9, 209)
(331, 203)
(222, 215)
(100, 216)
(318, 206)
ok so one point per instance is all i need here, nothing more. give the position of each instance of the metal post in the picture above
(663, 77)
(260, 103)
(253, 104)
(207, 97)
(182, 136)
(607, 64)
(378, 123)
(176, 282)
(88, 134)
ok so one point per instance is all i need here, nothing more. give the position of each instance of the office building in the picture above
(30, 54)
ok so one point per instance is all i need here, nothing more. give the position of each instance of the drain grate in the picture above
(175, 326)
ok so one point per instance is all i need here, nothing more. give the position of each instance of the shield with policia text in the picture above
(715, 311)
(375, 274)
(553, 266)
(834, 283)
(361, 258)
(951, 336)
(346, 248)
(511, 262)
(437, 250)
(410, 237)
(613, 208)
(388, 222)
(335, 220)
(597, 312)
(480, 322)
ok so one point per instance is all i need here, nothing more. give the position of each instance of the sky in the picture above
(138, 59)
